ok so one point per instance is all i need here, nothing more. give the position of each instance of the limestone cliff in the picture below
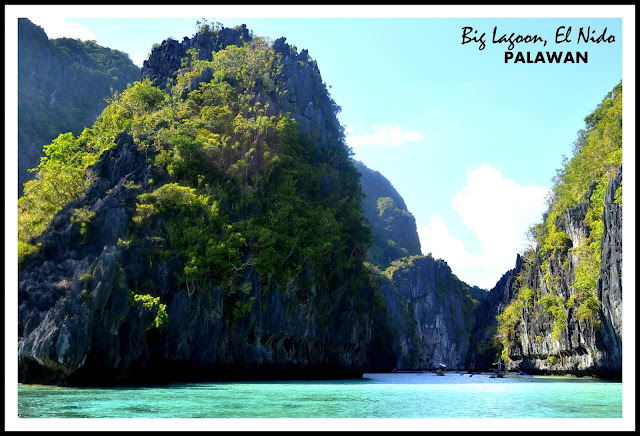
(484, 347)
(301, 93)
(430, 313)
(550, 332)
(560, 309)
(78, 324)
(106, 297)
(206, 234)
(610, 280)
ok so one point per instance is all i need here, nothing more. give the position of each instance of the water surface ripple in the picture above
(395, 395)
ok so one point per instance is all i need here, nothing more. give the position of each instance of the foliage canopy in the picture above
(242, 186)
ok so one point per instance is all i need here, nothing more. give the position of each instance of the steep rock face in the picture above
(610, 281)
(65, 323)
(287, 334)
(550, 334)
(305, 96)
(62, 84)
(483, 348)
(394, 228)
(430, 313)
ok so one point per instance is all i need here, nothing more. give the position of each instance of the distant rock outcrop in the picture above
(484, 348)
(62, 87)
(429, 312)
(395, 233)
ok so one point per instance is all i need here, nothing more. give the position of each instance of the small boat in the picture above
(498, 370)
(440, 370)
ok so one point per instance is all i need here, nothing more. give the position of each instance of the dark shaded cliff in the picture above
(395, 234)
(610, 278)
(79, 324)
(484, 346)
(62, 87)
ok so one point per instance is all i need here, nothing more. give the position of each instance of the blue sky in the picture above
(469, 141)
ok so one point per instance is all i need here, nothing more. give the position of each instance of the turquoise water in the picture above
(395, 395)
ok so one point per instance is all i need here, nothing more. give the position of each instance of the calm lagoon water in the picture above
(395, 395)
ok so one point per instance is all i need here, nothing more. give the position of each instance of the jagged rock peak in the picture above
(165, 59)
(301, 93)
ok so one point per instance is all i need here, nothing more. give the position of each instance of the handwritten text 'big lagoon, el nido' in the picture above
(563, 35)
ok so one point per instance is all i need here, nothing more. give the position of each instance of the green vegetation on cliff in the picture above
(236, 183)
(580, 183)
(394, 228)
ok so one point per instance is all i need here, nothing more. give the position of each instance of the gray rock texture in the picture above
(610, 281)
(430, 313)
(74, 311)
(78, 324)
(483, 348)
(303, 93)
(166, 58)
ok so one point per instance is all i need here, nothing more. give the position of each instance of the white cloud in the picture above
(58, 27)
(499, 212)
(436, 239)
(385, 135)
